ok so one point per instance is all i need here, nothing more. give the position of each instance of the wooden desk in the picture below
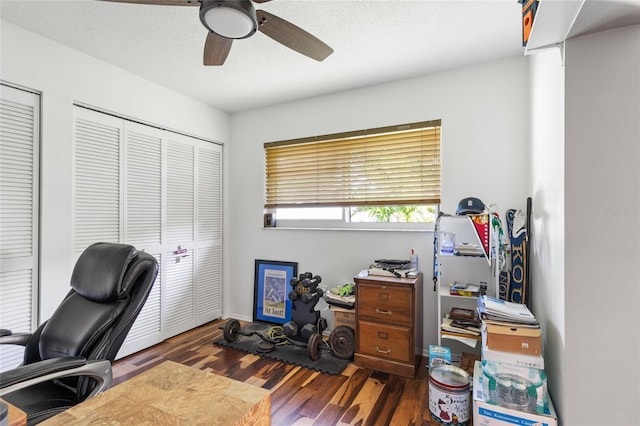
(16, 416)
(171, 394)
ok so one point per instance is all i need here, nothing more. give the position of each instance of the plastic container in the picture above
(448, 242)
(413, 260)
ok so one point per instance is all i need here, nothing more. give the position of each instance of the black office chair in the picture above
(68, 358)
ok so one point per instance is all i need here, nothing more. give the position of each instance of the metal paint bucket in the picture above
(449, 395)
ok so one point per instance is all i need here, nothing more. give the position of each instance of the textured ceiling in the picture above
(373, 42)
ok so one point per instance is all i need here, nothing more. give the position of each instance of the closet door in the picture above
(19, 195)
(208, 257)
(142, 212)
(97, 181)
(180, 294)
(161, 192)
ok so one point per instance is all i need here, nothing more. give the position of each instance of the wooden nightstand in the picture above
(389, 324)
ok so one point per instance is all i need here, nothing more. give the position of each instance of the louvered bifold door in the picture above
(179, 296)
(208, 232)
(97, 179)
(143, 223)
(19, 150)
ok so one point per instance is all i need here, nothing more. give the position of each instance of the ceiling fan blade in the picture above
(160, 2)
(216, 49)
(291, 36)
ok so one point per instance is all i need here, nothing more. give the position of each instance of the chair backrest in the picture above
(109, 286)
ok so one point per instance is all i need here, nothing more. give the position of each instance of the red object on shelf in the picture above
(481, 226)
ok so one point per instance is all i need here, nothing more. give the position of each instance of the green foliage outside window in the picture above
(410, 213)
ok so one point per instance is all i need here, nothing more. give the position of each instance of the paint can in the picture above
(449, 395)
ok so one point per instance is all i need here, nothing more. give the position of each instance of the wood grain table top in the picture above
(173, 394)
(16, 417)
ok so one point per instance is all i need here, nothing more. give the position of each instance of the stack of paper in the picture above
(468, 249)
(458, 288)
(501, 312)
(388, 272)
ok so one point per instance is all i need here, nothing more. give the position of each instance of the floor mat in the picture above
(290, 354)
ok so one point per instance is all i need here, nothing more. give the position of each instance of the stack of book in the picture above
(512, 361)
(461, 321)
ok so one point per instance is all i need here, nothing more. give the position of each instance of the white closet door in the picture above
(143, 208)
(19, 150)
(180, 295)
(208, 257)
(161, 192)
(97, 181)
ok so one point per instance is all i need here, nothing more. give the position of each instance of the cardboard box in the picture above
(512, 386)
(485, 414)
(522, 360)
(342, 316)
(523, 340)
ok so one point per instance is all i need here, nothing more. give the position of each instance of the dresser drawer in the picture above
(385, 341)
(385, 303)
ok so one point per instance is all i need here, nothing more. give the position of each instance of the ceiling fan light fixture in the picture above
(229, 18)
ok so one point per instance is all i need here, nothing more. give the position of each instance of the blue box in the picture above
(439, 355)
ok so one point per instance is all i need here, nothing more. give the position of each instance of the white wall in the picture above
(602, 229)
(548, 219)
(65, 76)
(484, 112)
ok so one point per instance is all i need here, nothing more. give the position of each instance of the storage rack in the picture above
(476, 269)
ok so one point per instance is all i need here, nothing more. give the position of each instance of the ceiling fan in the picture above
(228, 20)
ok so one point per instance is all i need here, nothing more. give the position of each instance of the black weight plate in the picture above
(342, 342)
(313, 346)
(230, 331)
(264, 347)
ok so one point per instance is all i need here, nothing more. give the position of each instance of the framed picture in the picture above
(270, 301)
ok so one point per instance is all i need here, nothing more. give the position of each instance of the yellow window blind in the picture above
(394, 165)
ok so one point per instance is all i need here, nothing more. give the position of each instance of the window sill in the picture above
(356, 229)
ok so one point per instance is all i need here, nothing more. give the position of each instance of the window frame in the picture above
(344, 222)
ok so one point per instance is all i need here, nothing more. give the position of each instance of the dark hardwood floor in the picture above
(299, 396)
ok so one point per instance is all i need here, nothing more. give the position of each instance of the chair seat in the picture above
(42, 401)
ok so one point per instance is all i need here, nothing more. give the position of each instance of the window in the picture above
(389, 174)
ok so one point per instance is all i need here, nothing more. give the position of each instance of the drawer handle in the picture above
(380, 311)
(387, 351)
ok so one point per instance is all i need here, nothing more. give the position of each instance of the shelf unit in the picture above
(474, 269)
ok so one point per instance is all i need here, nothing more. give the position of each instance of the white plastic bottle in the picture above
(413, 260)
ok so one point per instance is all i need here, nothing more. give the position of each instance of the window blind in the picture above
(393, 165)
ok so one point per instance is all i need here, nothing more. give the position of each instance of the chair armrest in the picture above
(7, 337)
(56, 368)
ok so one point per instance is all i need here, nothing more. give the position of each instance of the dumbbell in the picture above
(308, 282)
(305, 275)
(307, 331)
(290, 329)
